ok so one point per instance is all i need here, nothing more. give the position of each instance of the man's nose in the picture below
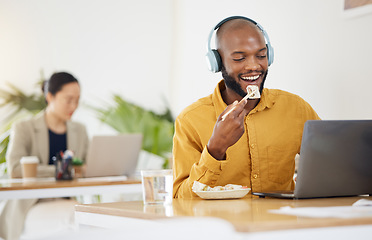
(251, 64)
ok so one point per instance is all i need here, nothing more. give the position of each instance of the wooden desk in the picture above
(249, 214)
(50, 188)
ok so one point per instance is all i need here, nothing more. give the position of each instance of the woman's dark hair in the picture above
(56, 82)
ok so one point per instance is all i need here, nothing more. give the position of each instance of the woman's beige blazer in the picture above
(31, 138)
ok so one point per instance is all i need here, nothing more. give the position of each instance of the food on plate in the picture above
(198, 187)
(253, 89)
(229, 191)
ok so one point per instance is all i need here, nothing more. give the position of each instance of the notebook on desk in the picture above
(113, 155)
(335, 160)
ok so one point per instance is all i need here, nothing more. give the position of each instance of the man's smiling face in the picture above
(244, 56)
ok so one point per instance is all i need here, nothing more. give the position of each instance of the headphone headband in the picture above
(231, 18)
(213, 57)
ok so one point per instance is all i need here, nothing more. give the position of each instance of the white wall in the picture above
(148, 50)
(319, 54)
(111, 46)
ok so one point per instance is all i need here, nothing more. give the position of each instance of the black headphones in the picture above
(213, 57)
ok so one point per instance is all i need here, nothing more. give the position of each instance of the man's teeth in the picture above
(252, 78)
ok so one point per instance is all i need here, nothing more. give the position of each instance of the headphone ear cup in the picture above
(217, 56)
(213, 60)
(270, 55)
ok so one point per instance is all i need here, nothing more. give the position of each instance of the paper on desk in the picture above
(362, 202)
(361, 208)
(108, 179)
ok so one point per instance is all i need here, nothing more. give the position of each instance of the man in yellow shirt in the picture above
(256, 143)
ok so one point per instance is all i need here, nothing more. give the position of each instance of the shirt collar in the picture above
(267, 99)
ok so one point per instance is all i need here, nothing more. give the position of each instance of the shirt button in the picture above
(255, 176)
(252, 146)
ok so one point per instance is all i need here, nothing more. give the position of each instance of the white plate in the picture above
(225, 194)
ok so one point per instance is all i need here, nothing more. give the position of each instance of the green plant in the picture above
(77, 162)
(20, 105)
(157, 129)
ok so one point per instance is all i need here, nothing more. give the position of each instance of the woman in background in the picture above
(44, 136)
(50, 132)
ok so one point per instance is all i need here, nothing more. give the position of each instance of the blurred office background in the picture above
(152, 53)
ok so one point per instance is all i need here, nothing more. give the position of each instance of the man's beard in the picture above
(233, 85)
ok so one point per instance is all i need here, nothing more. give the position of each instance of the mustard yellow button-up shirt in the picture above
(262, 159)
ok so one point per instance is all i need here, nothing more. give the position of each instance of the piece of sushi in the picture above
(253, 92)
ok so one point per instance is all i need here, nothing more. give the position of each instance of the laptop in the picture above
(113, 155)
(335, 160)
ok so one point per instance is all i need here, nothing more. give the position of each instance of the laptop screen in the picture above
(335, 159)
(113, 155)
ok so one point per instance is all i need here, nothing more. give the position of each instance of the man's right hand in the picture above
(228, 131)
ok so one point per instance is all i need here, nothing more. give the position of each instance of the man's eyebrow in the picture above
(239, 52)
(262, 49)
